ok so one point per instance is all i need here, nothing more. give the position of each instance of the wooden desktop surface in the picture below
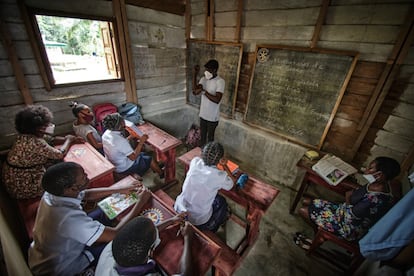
(158, 138)
(96, 166)
(312, 177)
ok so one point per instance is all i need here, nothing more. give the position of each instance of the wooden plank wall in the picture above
(157, 45)
(158, 50)
(369, 28)
(58, 99)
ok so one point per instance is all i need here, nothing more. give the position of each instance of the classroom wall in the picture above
(158, 54)
(373, 29)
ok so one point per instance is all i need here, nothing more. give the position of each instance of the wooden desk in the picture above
(256, 197)
(312, 177)
(169, 251)
(164, 145)
(97, 167)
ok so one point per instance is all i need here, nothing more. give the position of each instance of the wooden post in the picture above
(321, 19)
(119, 7)
(188, 16)
(400, 51)
(210, 20)
(239, 21)
(14, 60)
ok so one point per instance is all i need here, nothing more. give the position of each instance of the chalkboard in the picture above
(295, 91)
(229, 57)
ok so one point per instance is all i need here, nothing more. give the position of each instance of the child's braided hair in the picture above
(212, 153)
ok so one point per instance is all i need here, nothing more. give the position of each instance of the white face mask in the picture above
(369, 177)
(50, 129)
(208, 75)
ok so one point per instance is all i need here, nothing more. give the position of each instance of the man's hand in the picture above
(196, 69)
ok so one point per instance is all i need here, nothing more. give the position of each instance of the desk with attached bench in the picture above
(168, 252)
(97, 167)
(165, 146)
(256, 197)
(312, 177)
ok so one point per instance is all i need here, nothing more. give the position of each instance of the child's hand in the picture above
(223, 161)
(186, 229)
(143, 138)
(135, 186)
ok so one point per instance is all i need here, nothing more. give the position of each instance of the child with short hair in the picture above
(206, 209)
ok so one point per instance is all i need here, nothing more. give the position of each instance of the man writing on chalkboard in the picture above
(211, 88)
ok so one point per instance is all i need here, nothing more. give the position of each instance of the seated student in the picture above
(66, 240)
(199, 197)
(119, 151)
(362, 208)
(32, 153)
(131, 250)
(82, 126)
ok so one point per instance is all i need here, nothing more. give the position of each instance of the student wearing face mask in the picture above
(31, 154)
(211, 87)
(82, 126)
(66, 239)
(362, 208)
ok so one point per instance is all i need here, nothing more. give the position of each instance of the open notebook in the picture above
(333, 169)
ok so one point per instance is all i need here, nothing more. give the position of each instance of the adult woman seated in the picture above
(362, 207)
(31, 154)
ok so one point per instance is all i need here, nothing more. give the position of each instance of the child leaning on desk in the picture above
(206, 209)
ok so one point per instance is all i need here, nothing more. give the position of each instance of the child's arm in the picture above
(138, 148)
(223, 162)
(93, 142)
(186, 264)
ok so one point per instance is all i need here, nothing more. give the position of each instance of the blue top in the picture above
(391, 233)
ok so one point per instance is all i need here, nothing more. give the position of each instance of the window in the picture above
(77, 50)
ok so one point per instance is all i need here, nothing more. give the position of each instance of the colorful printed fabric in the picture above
(351, 221)
(26, 164)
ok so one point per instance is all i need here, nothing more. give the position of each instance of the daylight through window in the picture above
(78, 50)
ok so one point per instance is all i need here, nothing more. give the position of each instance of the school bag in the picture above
(193, 137)
(100, 111)
(131, 112)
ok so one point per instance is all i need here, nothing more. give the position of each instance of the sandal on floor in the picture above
(301, 244)
(303, 238)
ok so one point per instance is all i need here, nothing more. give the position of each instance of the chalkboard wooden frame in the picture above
(287, 79)
(229, 56)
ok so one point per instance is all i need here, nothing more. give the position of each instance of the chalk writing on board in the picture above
(229, 57)
(294, 91)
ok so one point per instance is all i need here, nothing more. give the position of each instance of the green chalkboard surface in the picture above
(229, 57)
(295, 91)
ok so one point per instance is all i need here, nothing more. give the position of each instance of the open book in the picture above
(133, 129)
(115, 204)
(333, 169)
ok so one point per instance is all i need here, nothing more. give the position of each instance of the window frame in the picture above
(43, 59)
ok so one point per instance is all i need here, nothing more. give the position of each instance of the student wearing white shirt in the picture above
(205, 208)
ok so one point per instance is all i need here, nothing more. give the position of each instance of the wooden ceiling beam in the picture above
(170, 6)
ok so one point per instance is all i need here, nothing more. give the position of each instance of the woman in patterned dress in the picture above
(28, 159)
(362, 207)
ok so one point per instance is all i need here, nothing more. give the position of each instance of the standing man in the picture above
(211, 88)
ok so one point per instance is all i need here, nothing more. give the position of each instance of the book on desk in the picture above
(333, 169)
(133, 129)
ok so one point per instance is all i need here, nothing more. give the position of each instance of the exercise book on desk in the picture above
(115, 204)
(333, 169)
